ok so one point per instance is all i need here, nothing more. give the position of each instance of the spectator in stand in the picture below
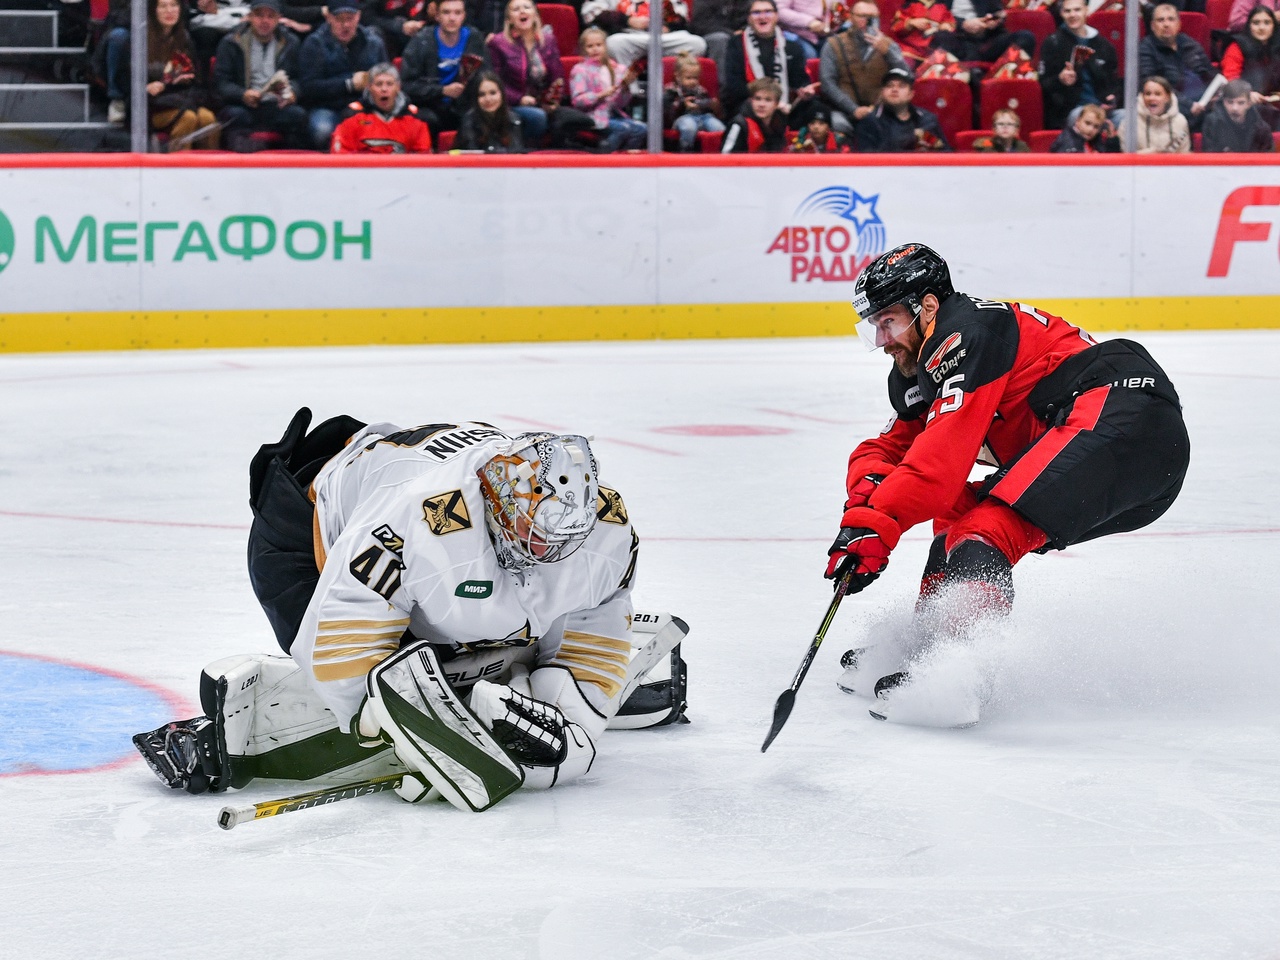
(1254, 57)
(1006, 125)
(491, 125)
(384, 120)
(526, 57)
(980, 33)
(761, 127)
(1161, 127)
(920, 26)
(437, 64)
(599, 87)
(252, 77)
(1091, 133)
(897, 125)
(816, 136)
(807, 23)
(853, 65)
(761, 51)
(716, 21)
(398, 21)
(1242, 12)
(1077, 67)
(176, 94)
(1233, 124)
(632, 42)
(687, 106)
(487, 16)
(333, 67)
(1168, 52)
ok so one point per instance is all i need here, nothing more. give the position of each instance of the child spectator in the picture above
(687, 106)
(1089, 134)
(598, 86)
(1161, 128)
(1233, 124)
(526, 57)
(761, 126)
(1006, 125)
(384, 120)
(817, 136)
(175, 94)
(491, 125)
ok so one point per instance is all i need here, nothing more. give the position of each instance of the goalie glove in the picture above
(532, 728)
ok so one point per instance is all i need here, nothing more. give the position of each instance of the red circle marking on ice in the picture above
(723, 430)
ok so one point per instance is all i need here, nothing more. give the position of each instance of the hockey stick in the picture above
(782, 709)
(230, 817)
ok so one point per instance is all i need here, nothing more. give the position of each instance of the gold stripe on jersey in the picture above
(379, 626)
(317, 541)
(349, 669)
(602, 661)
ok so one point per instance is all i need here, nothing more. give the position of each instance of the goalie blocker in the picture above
(262, 720)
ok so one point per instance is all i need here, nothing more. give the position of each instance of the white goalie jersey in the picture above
(402, 546)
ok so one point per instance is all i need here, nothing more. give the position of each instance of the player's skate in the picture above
(945, 688)
(864, 665)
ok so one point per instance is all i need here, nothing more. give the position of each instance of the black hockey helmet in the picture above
(902, 275)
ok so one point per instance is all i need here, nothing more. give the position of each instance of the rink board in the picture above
(186, 252)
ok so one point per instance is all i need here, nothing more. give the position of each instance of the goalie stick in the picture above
(782, 709)
(670, 631)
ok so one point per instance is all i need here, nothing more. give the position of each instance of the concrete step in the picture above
(25, 29)
(44, 103)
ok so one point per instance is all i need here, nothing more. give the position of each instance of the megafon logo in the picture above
(829, 251)
(1233, 230)
(6, 241)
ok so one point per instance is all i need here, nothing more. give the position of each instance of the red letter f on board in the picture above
(1232, 231)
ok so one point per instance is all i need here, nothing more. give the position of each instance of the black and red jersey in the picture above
(969, 403)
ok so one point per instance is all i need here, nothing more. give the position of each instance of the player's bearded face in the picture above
(898, 335)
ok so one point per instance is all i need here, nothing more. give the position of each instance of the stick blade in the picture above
(781, 710)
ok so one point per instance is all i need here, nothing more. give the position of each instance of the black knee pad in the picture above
(973, 561)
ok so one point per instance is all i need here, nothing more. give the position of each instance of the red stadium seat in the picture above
(445, 143)
(814, 69)
(887, 9)
(1041, 140)
(951, 100)
(1039, 22)
(567, 64)
(1110, 23)
(963, 140)
(710, 77)
(563, 21)
(1196, 26)
(1218, 12)
(1275, 141)
(1023, 97)
(710, 142)
(98, 9)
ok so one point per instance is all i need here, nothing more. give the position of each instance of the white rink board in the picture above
(452, 237)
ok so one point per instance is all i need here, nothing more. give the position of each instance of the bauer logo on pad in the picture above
(446, 513)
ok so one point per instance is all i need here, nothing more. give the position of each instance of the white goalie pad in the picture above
(655, 689)
(435, 733)
(270, 723)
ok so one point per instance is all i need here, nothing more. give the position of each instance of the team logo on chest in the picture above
(446, 513)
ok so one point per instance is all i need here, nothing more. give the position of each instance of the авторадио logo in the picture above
(834, 251)
(6, 241)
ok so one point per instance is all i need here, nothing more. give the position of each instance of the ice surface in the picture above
(1121, 798)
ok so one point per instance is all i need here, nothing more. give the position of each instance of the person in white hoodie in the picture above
(1161, 128)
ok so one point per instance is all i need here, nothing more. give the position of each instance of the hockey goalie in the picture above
(455, 603)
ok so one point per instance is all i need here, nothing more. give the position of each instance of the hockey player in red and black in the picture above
(1086, 438)
(384, 120)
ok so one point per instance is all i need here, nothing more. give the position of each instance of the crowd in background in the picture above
(812, 76)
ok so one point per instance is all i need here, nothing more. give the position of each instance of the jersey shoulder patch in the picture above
(446, 513)
(609, 507)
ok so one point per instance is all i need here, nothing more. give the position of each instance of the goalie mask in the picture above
(539, 498)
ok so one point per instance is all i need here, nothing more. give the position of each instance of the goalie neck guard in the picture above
(539, 498)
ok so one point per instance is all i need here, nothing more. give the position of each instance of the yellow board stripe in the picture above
(348, 669)
(188, 329)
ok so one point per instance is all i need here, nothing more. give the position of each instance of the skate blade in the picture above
(923, 722)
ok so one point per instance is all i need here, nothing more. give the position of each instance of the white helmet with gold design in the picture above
(539, 498)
